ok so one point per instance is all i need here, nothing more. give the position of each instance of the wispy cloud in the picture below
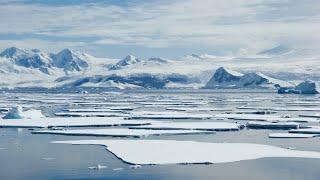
(168, 24)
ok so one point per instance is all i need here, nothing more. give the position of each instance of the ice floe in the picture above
(98, 167)
(311, 130)
(72, 122)
(291, 135)
(272, 125)
(153, 152)
(206, 126)
(137, 133)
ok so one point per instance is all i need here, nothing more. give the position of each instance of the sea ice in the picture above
(206, 126)
(272, 125)
(73, 122)
(121, 132)
(149, 152)
(290, 135)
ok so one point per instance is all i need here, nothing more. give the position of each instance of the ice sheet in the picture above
(148, 152)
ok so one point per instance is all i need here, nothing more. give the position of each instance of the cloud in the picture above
(210, 23)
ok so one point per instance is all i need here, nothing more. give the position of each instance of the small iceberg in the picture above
(98, 167)
(18, 113)
(136, 166)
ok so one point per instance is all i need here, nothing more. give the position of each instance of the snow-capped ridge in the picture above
(128, 60)
(33, 58)
(278, 50)
(226, 78)
(70, 60)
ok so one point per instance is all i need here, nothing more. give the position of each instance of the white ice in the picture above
(121, 132)
(207, 126)
(290, 135)
(147, 152)
(72, 122)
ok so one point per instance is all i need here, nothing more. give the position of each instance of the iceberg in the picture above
(152, 152)
(306, 87)
(18, 113)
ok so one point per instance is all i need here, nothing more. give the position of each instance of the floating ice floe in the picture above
(137, 133)
(311, 130)
(201, 126)
(152, 152)
(90, 114)
(198, 109)
(168, 115)
(18, 113)
(98, 167)
(281, 108)
(73, 122)
(271, 125)
(291, 135)
(310, 115)
(269, 118)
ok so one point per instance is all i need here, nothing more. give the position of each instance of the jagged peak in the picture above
(229, 71)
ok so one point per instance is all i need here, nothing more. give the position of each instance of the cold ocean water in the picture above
(31, 156)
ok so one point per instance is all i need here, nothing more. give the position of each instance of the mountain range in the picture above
(67, 68)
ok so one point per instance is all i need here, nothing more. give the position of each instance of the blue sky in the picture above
(166, 28)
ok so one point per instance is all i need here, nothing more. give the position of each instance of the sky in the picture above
(163, 28)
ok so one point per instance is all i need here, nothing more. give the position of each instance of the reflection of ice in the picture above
(118, 169)
(135, 166)
(48, 159)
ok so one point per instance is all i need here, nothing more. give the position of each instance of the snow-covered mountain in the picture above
(70, 61)
(226, 78)
(72, 68)
(128, 60)
(33, 58)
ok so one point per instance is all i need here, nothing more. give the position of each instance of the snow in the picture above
(290, 135)
(148, 152)
(72, 122)
(18, 113)
(273, 125)
(120, 132)
(206, 126)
